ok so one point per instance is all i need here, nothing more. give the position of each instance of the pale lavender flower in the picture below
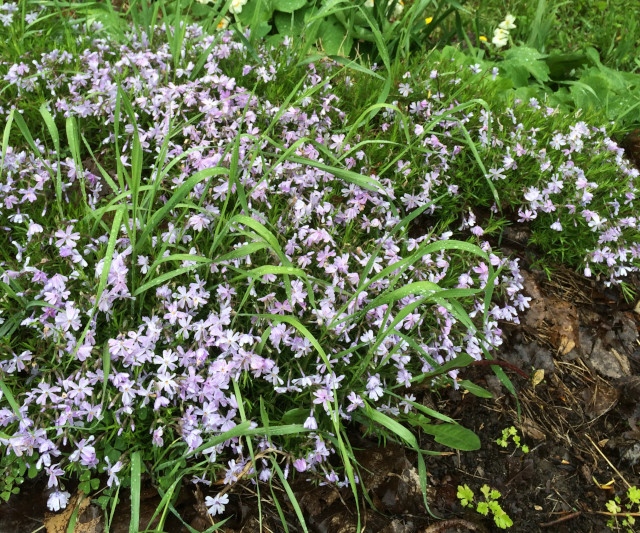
(300, 465)
(216, 505)
(112, 471)
(53, 471)
(310, 422)
(58, 500)
(69, 318)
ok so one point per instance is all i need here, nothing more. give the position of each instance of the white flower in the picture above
(33, 229)
(500, 37)
(58, 500)
(216, 504)
(236, 6)
(368, 3)
(224, 23)
(508, 23)
(596, 222)
(112, 470)
(532, 194)
(398, 8)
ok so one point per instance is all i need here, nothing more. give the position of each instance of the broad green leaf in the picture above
(291, 23)
(334, 38)
(521, 62)
(454, 436)
(288, 6)
(295, 416)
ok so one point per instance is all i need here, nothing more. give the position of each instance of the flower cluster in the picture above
(172, 371)
(268, 265)
(501, 33)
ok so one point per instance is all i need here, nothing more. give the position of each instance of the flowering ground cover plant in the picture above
(215, 258)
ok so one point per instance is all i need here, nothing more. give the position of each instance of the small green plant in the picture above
(512, 433)
(624, 520)
(489, 505)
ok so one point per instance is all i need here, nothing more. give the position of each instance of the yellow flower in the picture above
(428, 20)
(483, 38)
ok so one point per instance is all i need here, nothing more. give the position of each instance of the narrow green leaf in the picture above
(474, 389)
(136, 473)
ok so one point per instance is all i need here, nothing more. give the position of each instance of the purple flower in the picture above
(157, 437)
(324, 397)
(53, 471)
(300, 465)
(112, 470)
(374, 387)
(356, 401)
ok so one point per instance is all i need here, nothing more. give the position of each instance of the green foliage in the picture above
(574, 81)
(14, 477)
(579, 54)
(623, 519)
(488, 507)
(521, 62)
(512, 433)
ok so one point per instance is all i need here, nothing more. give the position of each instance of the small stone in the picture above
(607, 363)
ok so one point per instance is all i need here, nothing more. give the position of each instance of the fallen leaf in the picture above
(538, 376)
(605, 486)
(566, 345)
(531, 429)
(556, 320)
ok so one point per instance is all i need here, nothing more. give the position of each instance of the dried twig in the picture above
(608, 462)
(561, 519)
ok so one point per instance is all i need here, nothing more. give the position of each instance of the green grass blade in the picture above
(136, 472)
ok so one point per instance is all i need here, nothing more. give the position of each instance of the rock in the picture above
(608, 363)
(586, 341)
(530, 355)
(628, 333)
(398, 526)
(542, 359)
(632, 454)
